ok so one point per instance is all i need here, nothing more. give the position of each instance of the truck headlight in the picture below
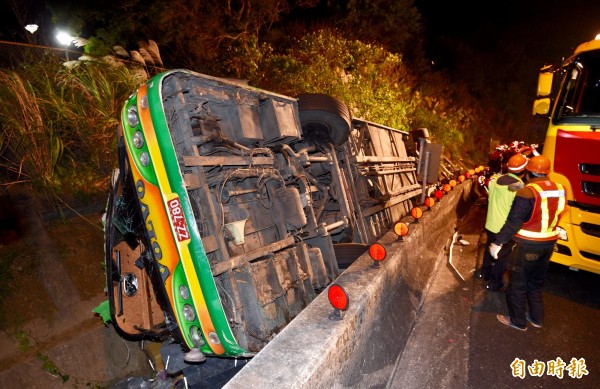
(562, 233)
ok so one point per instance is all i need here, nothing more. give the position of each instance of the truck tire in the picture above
(324, 118)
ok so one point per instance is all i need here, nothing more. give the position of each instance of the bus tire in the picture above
(323, 117)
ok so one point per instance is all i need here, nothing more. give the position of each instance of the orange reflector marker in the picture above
(377, 253)
(416, 213)
(447, 188)
(452, 183)
(472, 172)
(338, 298)
(467, 175)
(438, 194)
(401, 229)
(461, 178)
(429, 202)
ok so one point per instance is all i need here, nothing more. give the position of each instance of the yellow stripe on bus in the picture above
(186, 260)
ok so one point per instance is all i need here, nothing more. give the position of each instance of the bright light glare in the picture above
(562, 233)
(598, 36)
(31, 28)
(64, 38)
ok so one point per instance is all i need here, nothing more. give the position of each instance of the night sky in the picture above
(31, 11)
(549, 28)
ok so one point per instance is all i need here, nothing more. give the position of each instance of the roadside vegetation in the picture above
(58, 127)
(59, 122)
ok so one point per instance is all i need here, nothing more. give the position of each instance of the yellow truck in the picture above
(569, 95)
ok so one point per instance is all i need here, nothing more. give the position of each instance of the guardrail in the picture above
(361, 350)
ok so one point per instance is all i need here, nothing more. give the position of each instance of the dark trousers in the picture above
(493, 269)
(528, 264)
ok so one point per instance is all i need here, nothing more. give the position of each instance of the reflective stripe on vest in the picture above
(544, 217)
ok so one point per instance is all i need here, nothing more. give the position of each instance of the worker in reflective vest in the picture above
(502, 191)
(531, 230)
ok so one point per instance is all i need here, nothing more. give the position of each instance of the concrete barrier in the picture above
(361, 350)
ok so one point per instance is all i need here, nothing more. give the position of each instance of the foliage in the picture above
(61, 136)
(233, 39)
(63, 132)
(377, 85)
(209, 33)
(31, 148)
(395, 25)
(58, 124)
(367, 78)
(108, 22)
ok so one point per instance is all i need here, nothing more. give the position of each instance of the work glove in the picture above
(514, 187)
(495, 249)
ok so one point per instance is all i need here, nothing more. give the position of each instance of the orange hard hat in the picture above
(539, 164)
(517, 163)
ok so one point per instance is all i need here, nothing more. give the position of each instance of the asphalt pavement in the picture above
(457, 342)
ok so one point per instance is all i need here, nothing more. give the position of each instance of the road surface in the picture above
(458, 343)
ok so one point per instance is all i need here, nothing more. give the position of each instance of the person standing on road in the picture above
(531, 224)
(502, 191)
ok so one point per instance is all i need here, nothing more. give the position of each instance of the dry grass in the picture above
(57, 127)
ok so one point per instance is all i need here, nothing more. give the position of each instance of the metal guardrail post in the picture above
(425, 176)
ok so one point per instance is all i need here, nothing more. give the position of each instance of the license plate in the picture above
(178, 220)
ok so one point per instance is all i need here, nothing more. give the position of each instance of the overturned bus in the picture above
(233, 207)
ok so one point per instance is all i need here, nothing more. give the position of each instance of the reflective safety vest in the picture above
(499, 201)
(549, 203)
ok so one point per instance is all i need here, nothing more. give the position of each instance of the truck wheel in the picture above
(324, 118)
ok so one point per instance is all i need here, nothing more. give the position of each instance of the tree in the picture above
(396, 25)
(210, 36)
